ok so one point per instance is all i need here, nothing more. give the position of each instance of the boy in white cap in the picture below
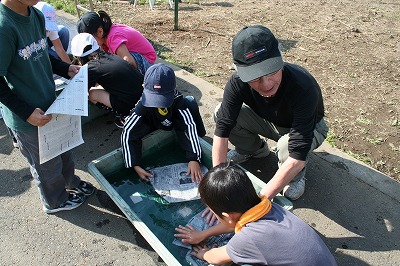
(113, 83)
(163, 107)
(57, 35)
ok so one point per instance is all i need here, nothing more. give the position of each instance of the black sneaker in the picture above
(84, 188)
(120, 121)
(73, 201)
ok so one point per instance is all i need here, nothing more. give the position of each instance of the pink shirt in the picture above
(133, 39)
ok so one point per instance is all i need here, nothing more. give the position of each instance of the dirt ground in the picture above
(352, 47)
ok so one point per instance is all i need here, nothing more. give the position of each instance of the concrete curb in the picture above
(361, 171)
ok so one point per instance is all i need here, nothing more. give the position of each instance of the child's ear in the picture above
(100, 32)
(227, 217)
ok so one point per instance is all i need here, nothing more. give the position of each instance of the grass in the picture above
(359, 157)
(331, 138)
(67, 6)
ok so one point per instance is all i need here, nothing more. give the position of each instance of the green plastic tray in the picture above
(153, 217)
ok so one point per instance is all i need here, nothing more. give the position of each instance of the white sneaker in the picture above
(295, 190)
(236, 157)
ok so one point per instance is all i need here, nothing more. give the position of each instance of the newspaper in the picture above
(64, 131)
(199, 223)
(172, 183)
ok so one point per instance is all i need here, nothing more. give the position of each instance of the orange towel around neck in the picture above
(254, 213)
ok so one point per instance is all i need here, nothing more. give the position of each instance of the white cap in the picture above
(49, 14)
(79, 43)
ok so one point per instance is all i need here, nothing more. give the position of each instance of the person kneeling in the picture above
(265, 233)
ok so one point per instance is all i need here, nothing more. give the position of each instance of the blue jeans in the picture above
(141, 62)
(63, 34)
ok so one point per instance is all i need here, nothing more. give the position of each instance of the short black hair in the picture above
(227, 188)
(84, 59)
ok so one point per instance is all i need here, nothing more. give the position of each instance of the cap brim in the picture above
(157, 100)
(266, 67)
(94, 49)
(51, 26)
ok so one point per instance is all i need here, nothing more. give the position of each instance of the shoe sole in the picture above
(51, 211)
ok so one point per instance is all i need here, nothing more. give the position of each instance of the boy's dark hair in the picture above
(84, 59)
(227, 188)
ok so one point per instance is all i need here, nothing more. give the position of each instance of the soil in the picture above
(352, 48)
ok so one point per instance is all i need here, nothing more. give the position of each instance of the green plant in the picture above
(331, 138)
(67, 6)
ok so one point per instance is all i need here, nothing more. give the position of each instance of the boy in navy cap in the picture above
(163, 107)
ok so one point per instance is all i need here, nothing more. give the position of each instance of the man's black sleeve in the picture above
(59, 67)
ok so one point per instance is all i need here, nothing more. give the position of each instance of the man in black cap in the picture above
(274, 99)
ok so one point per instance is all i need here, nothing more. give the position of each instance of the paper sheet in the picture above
(199, 223)
(73, 100)
(172, 183)
(61, 134)
(64, 131)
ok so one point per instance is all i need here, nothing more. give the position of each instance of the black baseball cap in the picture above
(256, 53)
(89, 23)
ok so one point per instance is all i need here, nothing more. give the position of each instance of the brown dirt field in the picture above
(352, 47)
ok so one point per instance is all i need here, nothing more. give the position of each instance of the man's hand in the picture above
(73, 70)
(195, 171)
(286, 172)
(38, 118)
(143, 174)
(189, 235)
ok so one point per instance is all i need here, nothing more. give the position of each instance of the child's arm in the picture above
(123, 52)
(143, 174)
(213, 256)
(60, 51)
(190, 235)
(195, 171)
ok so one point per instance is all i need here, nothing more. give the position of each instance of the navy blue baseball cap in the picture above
(159, 86)
(256, 53)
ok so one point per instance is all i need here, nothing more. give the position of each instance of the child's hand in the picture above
(38, 118)
(210, 219)
(143, 174)
(73, 70)
(189, 235)
(195, 171)
(200, 250)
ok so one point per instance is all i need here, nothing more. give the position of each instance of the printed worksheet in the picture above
(172, 183)
(64, 131)
(73, 100)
